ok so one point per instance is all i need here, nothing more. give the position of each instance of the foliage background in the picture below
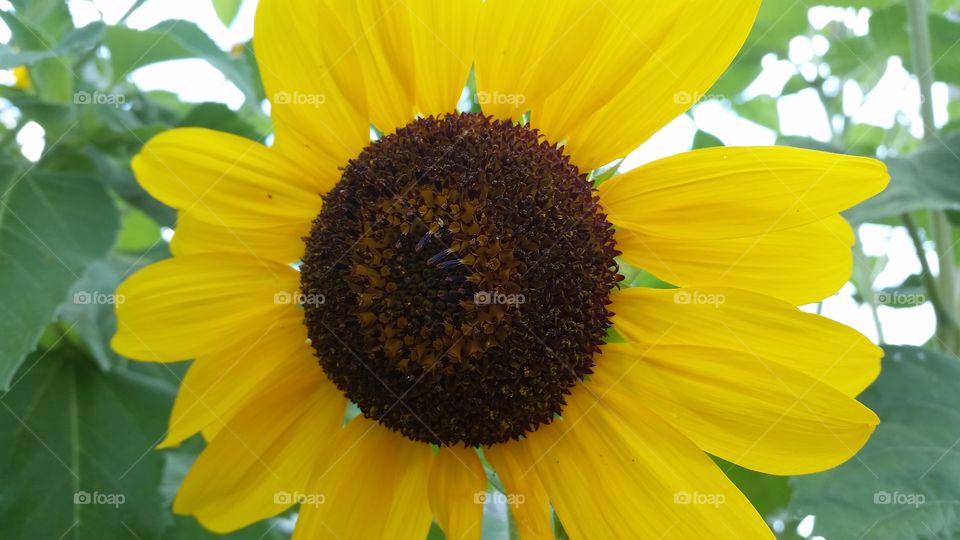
(77, 420)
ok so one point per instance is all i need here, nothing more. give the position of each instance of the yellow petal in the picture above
(628, 474)
(456, 492)
(443, 43)
(216, 385)
(800, 265)
(526, 496)
(314, 80)
(722, 192)
(227, 180)
(758, 414)
(259, 463)
(529, 49)
(751, 324)
(374, 484)
(280, 243)
(680, 67)
(193, 306)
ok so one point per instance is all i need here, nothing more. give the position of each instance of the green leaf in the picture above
(903, 483)
(52, 226)
(221, 118)
(89, 312)
(79, 40)
(52, 78)
(760, 110)
(776, 24)
(139, 233)
(116, 174)
(51, 17)
(77, 460)
(702, 139)
(227, 10)
(174, 40)
(928, 178)
(767, 493)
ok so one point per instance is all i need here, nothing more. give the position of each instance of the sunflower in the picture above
(393, 293)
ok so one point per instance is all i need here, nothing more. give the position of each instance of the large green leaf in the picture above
(52, 226)
(927, 178)
(79, 40)
(174, 40)
(77, 457)
(903, 483)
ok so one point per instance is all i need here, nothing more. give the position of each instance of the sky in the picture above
(895, 97)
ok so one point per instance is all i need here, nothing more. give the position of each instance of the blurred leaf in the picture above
(903, 483)
(138, 232)
(865, 57)
(863, 139)
(52, 17)
(77, 459)
(776, 24)
(760, 110)
(219, 117)
(52, 226)
(795, 84)
(117, 175)
(52, 78)
(89, 312)
(702, 139)
(227, 10)
(57, 119)
(79, 40)
(767, 493)
(927, 178)
(174, 40)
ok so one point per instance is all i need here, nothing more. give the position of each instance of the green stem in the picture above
(136, 5)
(940, 228)
(865, 285)
(946, 324)
(922, 60)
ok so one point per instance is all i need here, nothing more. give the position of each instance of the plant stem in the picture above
(946, 324)
(136, 5)
(864, 276)
(922, 60)
(940, 228)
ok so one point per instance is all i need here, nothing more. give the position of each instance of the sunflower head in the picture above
(438, 256)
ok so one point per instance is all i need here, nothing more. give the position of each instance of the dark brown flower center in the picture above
(465, 267)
